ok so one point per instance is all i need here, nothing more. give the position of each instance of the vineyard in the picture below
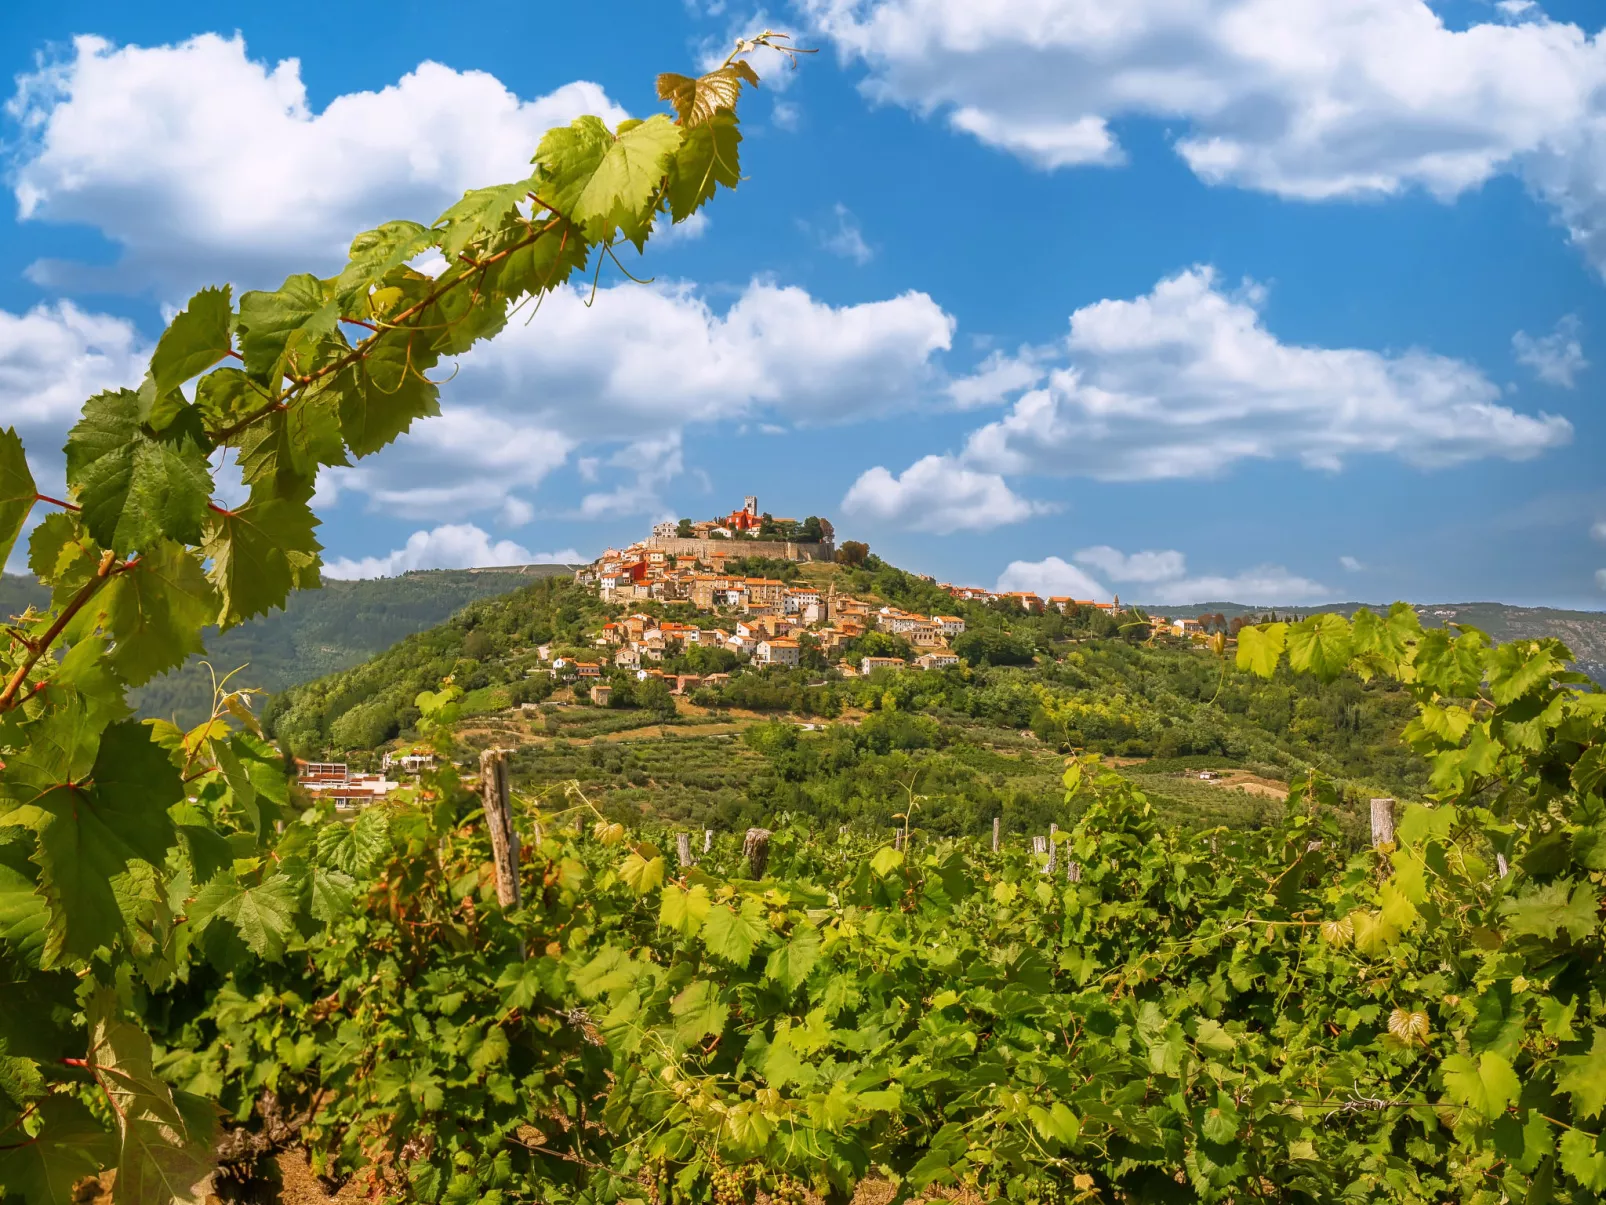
(446, 1001)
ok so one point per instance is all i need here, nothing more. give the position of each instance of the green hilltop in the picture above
(985, 739)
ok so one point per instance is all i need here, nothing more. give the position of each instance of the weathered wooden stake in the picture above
(998, 823)
(1382, 822)
(756, 849)
(708, 839)
(1500, 865)
(495, 793)
(1052, 852)
(683, 850)
(1039, 845)
(1073, 872)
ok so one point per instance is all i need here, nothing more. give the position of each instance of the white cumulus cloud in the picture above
(449, 546)
(633, 372)
(1351, 564)
(1307, 99)
(1269, 585)
(204, 164)
(1600, 578)
(1136, 567)
(52, 359)
(1186, 381)
(1556, 358)
(936, 494)
(1162, 578)
(1050, 577)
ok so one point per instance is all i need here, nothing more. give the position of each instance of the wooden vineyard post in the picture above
(1500, 865)
(1382, 822)
(708, 839)
(756, 849)
(897, 838)
(1039, 845)
(1052, 852)
(1073, 871)
(496, 794)
(683, 850)
(998, 823)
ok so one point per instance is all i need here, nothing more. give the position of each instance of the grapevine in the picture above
(132, 854)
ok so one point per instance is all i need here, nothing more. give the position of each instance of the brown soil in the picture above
(1251, 784)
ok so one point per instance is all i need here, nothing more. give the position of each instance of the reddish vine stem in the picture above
(365, 348)
(108, 568)
(55, 502)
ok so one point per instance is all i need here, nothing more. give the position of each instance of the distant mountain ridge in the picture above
(346, 622)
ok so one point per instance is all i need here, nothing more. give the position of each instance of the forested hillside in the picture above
(984, 739)
(318, 632)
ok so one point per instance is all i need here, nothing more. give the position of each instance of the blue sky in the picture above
(1336, 271)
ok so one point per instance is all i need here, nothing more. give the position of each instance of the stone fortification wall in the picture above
(706, 550)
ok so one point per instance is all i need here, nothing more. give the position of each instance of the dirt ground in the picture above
(1249, 783)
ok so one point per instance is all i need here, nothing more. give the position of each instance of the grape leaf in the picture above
(1585, 1078)
(261, 552)
(332, 894)
(683, 908)
(17, 490)
(601, 181)
(789, 965)
(56, 546)
(708, 156)
(133, 488)
(166, 1153)
(734, 935)
(286, 449)
(87, 672)
(197, 338)
(89, 834)
(71, 1145)
(1545, 911)
(1583, 1160)
(481, 211)
(275, 326)
(383, 393)
(1260, 647)
(375, 252)
(1486, 1085)
(705, 97)
(698, 1012)
(264, 915)
(155, 611)
(1320, 645)
(24, 915)
(225, 397)
(641, 873)
(357, 847)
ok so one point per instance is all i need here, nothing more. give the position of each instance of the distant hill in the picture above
(320, 632)
(1584, 632)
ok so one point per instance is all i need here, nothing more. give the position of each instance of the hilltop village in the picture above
(774, 616)
(703, 619)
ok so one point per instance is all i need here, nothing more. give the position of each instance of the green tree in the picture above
(852, 553)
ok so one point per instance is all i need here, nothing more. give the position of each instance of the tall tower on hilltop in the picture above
(750, 504)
